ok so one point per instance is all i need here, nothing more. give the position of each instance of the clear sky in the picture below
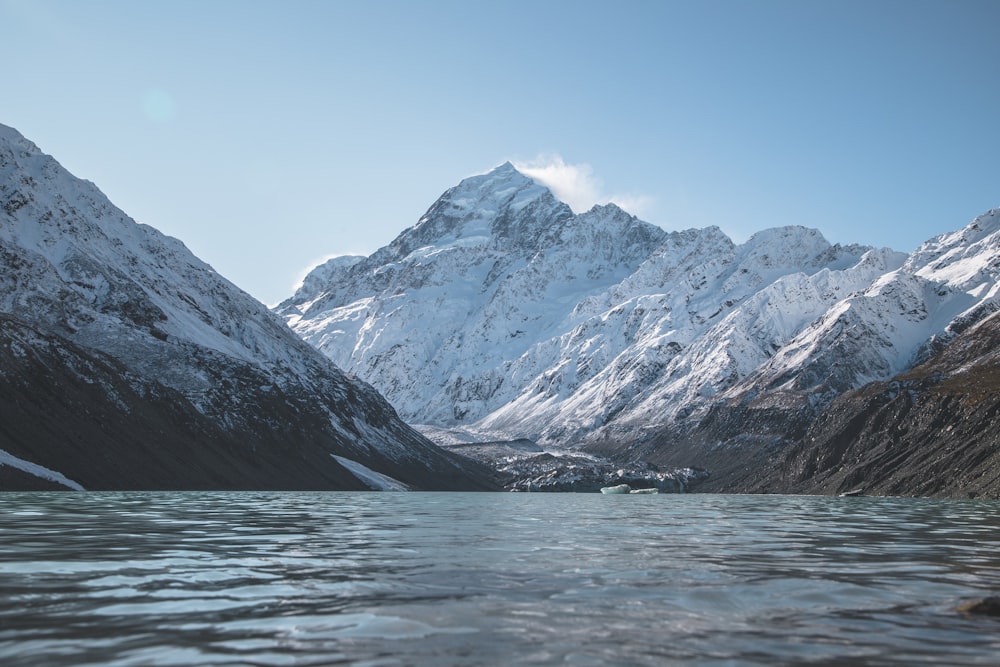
(269, 135)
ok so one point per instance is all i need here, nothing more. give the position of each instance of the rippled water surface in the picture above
(481, 579)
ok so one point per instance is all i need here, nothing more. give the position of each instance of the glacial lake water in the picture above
(493, 579)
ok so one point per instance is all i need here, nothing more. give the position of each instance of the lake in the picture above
(480, 579)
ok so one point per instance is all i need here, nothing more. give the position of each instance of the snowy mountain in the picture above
(920, 420)
(491, 272)
(129, 363)
(886, 327)
(502, 315)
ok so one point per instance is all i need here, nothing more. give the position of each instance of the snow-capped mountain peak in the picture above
(500, 204)
(504, 313)
(600, 327)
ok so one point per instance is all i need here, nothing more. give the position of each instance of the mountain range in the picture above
(502, 315)
(128, 363)
(565, 350)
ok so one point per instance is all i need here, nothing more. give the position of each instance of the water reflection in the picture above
(463, 579)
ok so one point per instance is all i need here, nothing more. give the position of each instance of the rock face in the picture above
(502, 315)
(126, 362)
(930, 431)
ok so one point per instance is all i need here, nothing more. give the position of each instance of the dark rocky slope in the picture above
(77, 411)
(127, 363)
(933, 431)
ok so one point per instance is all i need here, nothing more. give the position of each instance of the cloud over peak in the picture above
(577, 185)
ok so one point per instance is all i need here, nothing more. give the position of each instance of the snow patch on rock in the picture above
(41, 472)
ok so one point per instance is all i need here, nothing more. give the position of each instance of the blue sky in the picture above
(268, 135)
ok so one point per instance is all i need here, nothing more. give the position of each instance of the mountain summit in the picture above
(129, 363)
(502, 204)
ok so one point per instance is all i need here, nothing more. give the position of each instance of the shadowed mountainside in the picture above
(129, 363)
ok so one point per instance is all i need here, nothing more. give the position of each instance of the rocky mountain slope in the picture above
(126, 362)
(929, 431)
(502, 315)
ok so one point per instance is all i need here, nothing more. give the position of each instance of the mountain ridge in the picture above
(93, 283)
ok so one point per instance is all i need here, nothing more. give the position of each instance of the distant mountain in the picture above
(502, 315)
(126, 362)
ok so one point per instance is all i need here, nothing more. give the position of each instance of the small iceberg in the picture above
(653, 490)
(621, 488)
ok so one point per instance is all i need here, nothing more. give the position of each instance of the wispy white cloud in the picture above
(578, 186)
(574, 184)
